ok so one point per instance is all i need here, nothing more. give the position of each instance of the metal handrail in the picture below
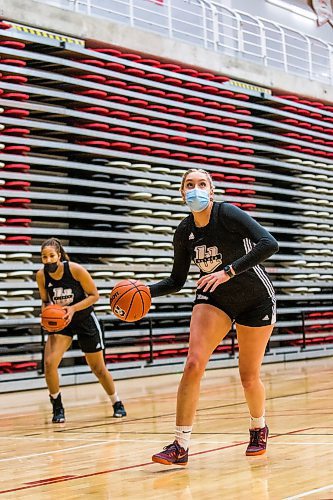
(170, 19)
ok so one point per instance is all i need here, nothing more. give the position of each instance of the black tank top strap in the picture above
(67, 271)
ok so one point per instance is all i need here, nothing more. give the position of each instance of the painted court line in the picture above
(64, 450)
(307, 493)
(83, 476)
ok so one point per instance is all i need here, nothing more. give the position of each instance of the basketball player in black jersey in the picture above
(70, 285)
(228, 247)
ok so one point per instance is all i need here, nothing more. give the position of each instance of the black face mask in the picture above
(51, 268)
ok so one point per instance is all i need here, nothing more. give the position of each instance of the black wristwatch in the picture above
(229, 271)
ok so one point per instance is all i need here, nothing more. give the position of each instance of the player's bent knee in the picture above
(249, 381)
(194, 366)
(99, 371)
(51, 363)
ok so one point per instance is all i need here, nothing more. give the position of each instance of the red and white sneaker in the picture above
(173, 454)
(258, 442)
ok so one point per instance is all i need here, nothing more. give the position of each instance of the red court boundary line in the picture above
(82, 476)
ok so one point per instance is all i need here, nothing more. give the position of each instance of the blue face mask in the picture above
(197, 199)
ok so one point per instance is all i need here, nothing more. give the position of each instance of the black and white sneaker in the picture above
(58, 410)
(119, 410)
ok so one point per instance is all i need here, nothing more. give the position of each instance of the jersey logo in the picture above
(191, 237)
(207, 259)
(62, 296)
(265, 318)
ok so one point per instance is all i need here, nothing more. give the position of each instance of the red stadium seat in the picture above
(95, 143)
(121, 115)
(158, 137)
(15, 112)
(156, 92)
(198, 158)
(17, 96)
(92, 62)
(150, 62)
(196, 129)
(170, 67)
(141, 134)
(16, 149)
(197, 144)
(16, 79)
(93, 78)
(116, 83)
(156, 77)
(14, 62)
(138, 73)
(179, 156)
(16, 131)
(109, 51)
(143, 150)
(16, 167)
(162, 153)
(120, 130)
(122, 146)
(212, 104)
(215, 133)
(177, 111)
(22, 222)
(177, 139)
(98, 110)
(24, 185)
(18, 240)
(130, 56)
(97, 94)
(196, 101)
(188, 71)
(103, 127)
(216, 161)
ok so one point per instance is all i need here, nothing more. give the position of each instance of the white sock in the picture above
(257, 423)
(183, 435)
(114, 398)
(54, 396)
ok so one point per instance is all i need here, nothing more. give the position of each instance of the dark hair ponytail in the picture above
(55, 243)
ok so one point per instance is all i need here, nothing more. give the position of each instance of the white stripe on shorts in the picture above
(264, 279)
(98, 326)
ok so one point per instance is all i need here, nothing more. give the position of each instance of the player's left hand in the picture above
(69, 314)
(211, 281)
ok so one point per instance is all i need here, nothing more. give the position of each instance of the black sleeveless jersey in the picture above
(232, 236)
(66, 291)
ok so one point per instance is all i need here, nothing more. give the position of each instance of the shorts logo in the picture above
(207, 259)
(202, 297)
(119, 311)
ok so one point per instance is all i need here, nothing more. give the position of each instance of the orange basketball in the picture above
(130, 300)
(53, 318)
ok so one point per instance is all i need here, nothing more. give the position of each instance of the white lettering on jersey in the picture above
(207, 259)
(61, 296)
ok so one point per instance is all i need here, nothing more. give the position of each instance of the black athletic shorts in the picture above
(88, 331)
(262, 312)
